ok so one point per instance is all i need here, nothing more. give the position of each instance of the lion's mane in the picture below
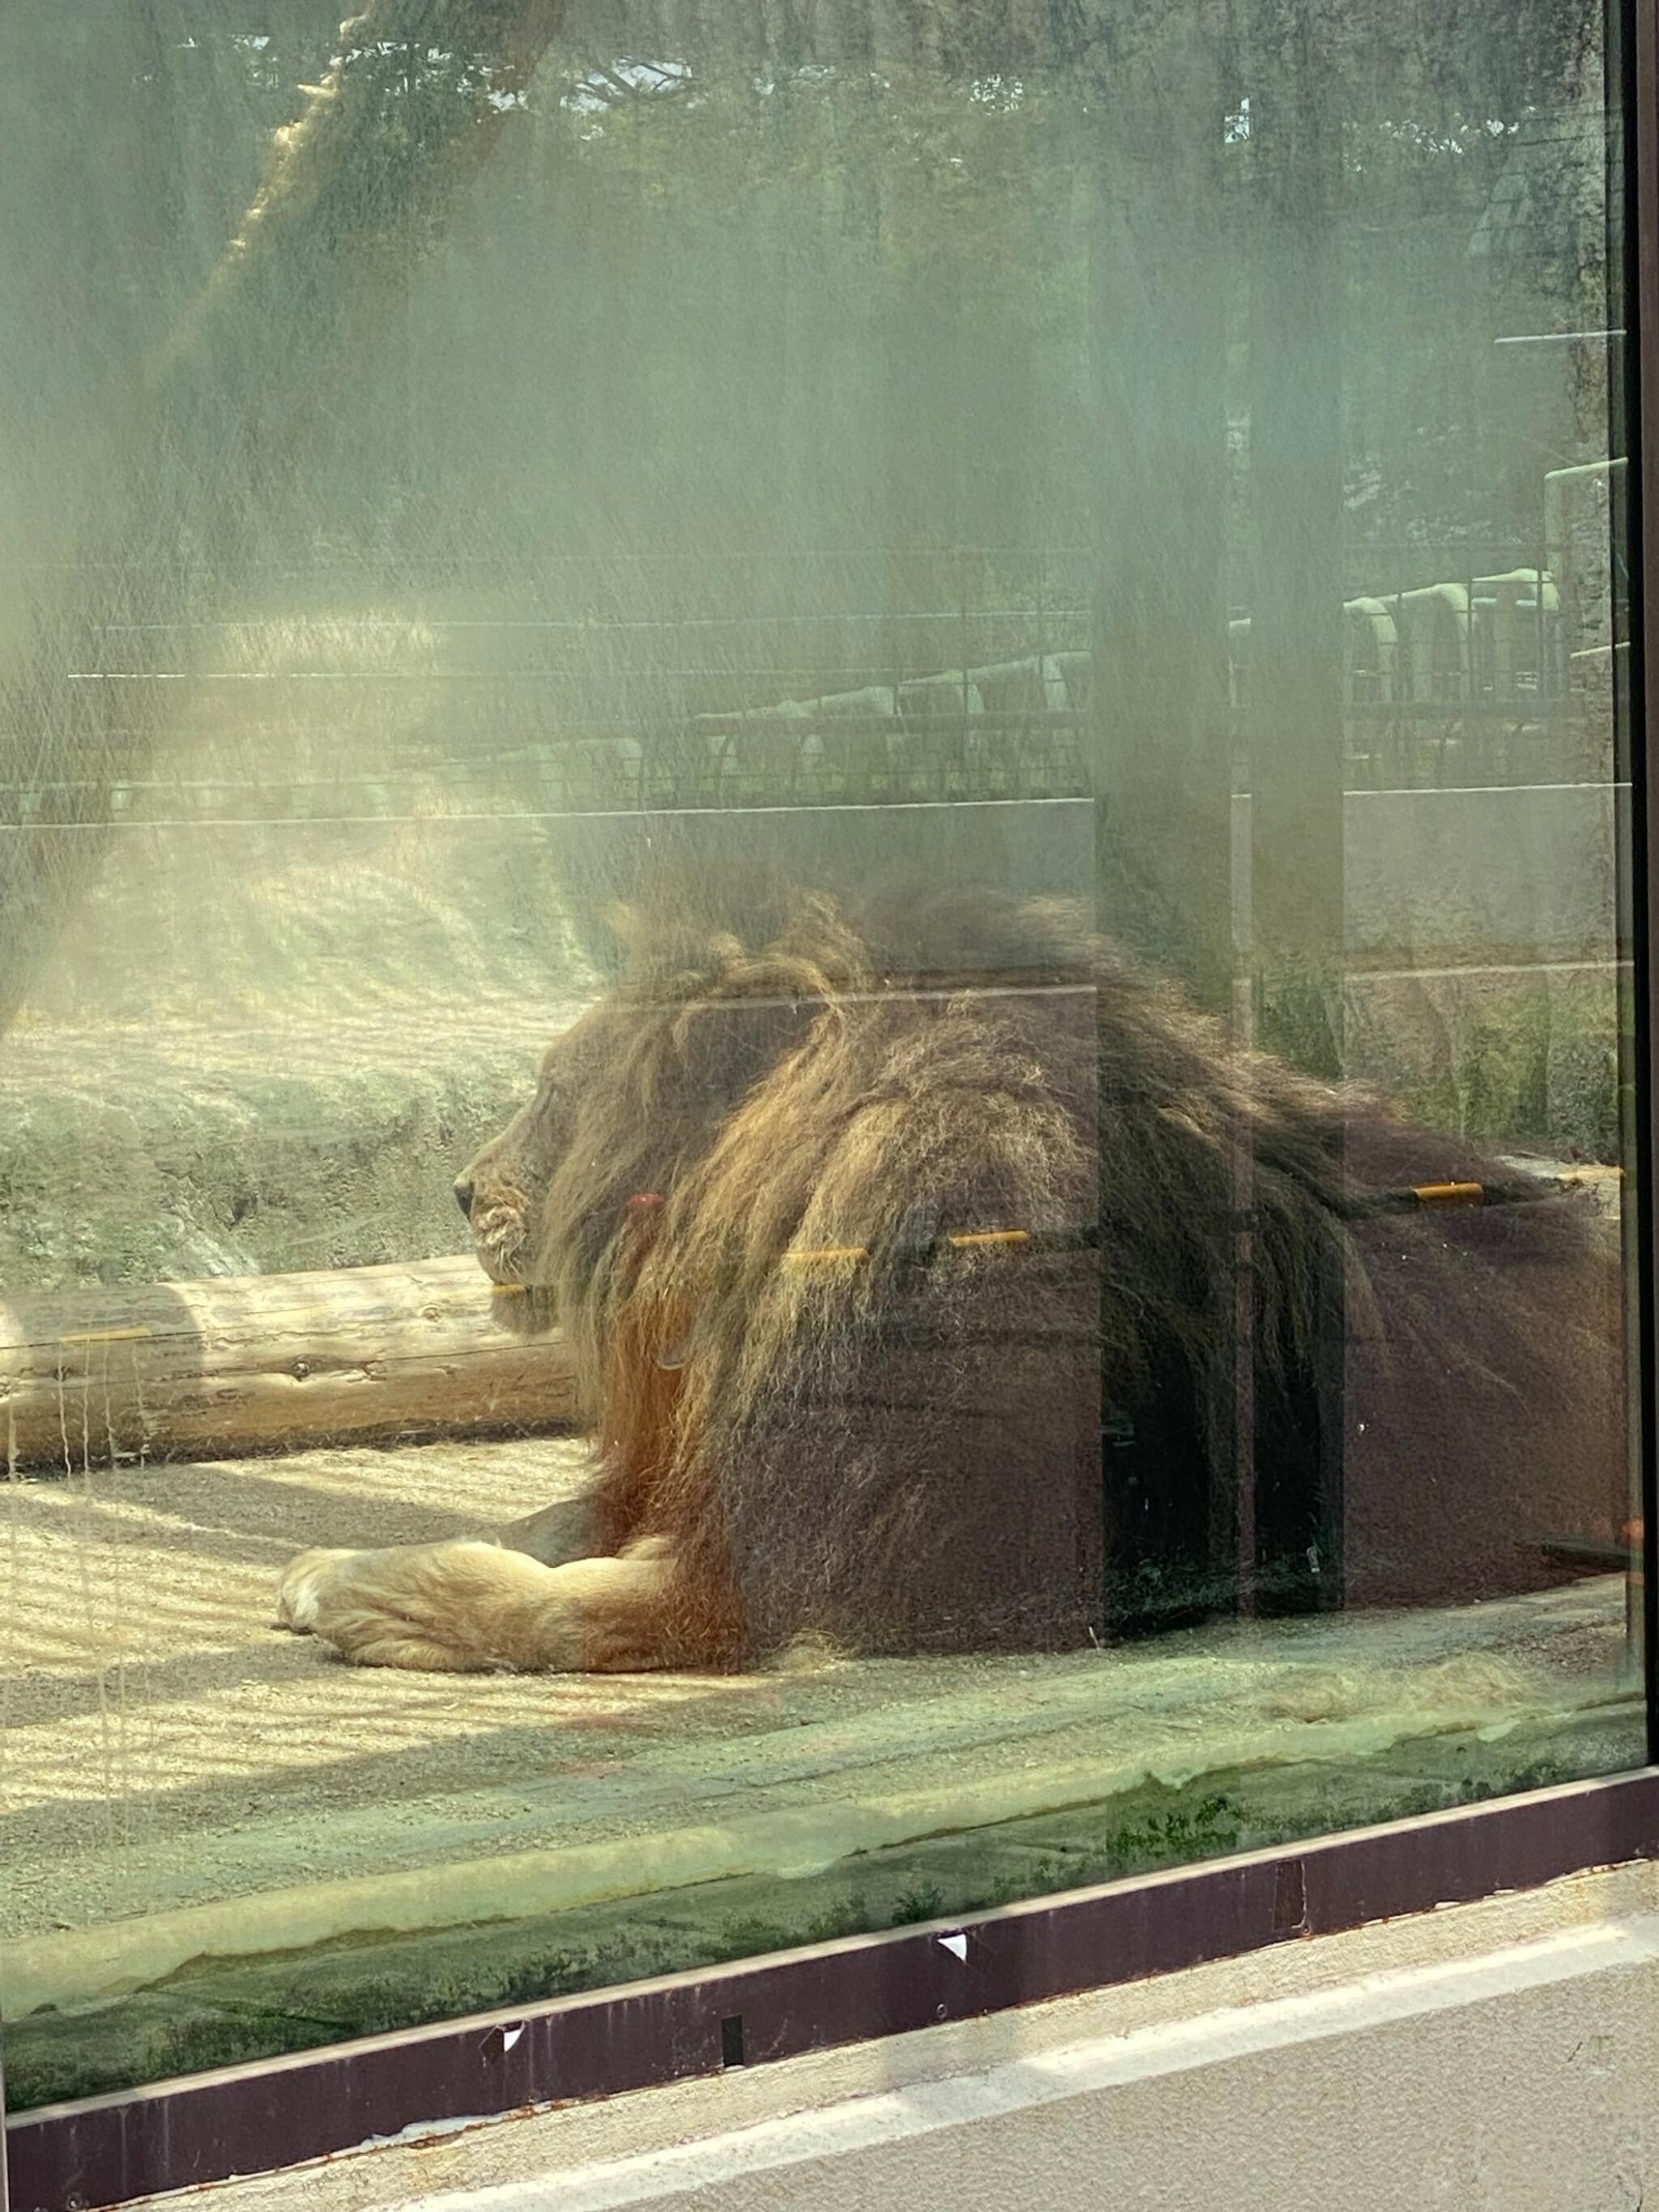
(734, 1183)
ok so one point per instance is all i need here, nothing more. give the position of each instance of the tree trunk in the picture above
(204, 443)
(1158, 287)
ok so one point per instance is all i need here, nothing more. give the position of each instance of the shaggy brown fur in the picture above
(814, 1416)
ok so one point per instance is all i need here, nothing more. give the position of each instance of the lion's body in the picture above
(815, 1414)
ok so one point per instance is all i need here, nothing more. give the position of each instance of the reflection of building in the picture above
(1491, 638)
(1584, 552)
(1443, 683)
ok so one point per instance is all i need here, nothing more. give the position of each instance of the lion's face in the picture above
(503, 1191)
(629, 1097)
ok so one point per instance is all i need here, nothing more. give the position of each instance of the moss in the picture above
(926, 1902)
(1536, 1067)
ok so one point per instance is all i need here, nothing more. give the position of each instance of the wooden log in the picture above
(95, 1377)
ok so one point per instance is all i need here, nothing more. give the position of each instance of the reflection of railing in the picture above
(825, 679)
(1495, 639)
(1448, 683)
(1443, 683)
(1010, 729)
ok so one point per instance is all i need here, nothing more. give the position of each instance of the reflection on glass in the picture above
(1000, 650)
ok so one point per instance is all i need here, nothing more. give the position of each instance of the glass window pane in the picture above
(817, 980)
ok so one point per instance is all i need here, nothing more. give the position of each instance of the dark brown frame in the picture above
(105, 2150)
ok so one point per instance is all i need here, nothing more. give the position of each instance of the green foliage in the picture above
(1534, 1068)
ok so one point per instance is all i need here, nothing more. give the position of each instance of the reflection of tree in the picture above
(359, 178)
(1287, 87)
(1297, 287)
(993, 272)
(1159, 293)
(1264, 174)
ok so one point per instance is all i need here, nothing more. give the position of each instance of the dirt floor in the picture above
(182, 1780)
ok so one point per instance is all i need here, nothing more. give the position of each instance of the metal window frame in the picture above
(264, 2117)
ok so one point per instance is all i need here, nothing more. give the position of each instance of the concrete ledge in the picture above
(1059, 2123)
(1496, 2054)
(1511, 869)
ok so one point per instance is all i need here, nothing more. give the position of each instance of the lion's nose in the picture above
(463, 1195)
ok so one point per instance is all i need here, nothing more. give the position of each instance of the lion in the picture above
(869, 1231)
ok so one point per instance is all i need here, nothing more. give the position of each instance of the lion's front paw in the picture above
(439, 1608)
(299, 1592)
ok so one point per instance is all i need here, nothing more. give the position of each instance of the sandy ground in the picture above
(179, 1779)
